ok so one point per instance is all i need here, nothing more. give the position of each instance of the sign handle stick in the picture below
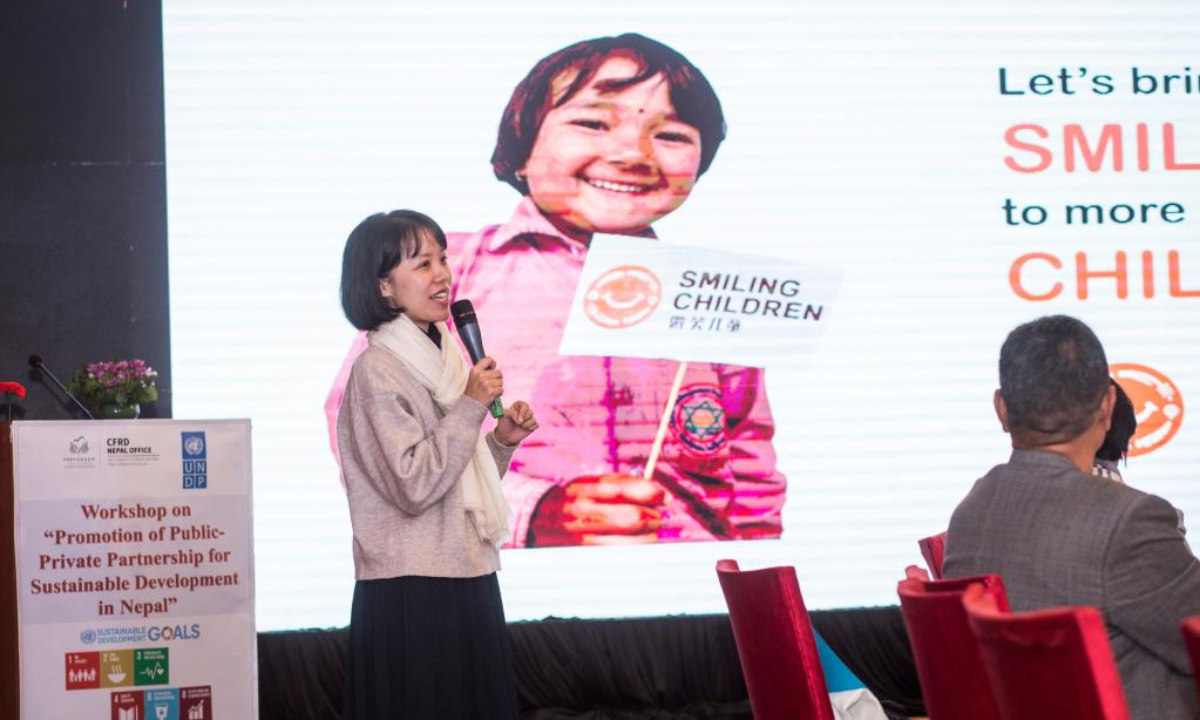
(666, 420)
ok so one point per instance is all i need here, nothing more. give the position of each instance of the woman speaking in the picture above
(427, 631)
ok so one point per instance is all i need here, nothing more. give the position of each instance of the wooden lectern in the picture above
(10, 685)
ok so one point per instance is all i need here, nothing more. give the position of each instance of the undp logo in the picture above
(195, 460)
(193, 444)
(622, 297)
(1157, 403)
(88, 637)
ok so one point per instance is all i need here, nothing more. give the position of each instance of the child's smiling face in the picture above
(612, 160)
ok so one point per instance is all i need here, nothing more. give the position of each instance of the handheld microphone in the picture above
(463, 313)
(35, 362)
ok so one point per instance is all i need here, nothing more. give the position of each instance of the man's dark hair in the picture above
(374, 248)
(1053, 376)
(1124, 425)
(694, 100)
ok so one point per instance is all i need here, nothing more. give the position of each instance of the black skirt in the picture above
(429, 648)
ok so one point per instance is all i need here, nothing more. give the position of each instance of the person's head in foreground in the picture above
(395, 264)
(1054, 391)
(609, 134)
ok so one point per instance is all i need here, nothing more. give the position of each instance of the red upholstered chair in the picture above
(1049, 664)
(933, 549)
(953, 679)
(775, 643)
(1191, 637)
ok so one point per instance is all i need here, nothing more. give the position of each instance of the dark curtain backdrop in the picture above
(83, 221)
(667, 668)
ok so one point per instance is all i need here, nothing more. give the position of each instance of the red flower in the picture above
(13, 388)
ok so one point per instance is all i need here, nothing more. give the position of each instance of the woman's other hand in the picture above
(516, 424)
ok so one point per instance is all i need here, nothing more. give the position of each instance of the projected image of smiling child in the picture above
(607, 136)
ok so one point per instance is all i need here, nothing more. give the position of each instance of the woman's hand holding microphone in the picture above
(485, 383)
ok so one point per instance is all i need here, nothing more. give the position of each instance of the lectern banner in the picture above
(135, 570)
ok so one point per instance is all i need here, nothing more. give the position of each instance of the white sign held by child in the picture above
(641, 298)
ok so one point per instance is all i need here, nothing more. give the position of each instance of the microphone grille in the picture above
(463, 312)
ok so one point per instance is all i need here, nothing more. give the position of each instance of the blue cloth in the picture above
(838, 677)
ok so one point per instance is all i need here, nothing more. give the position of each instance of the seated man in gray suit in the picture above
(1059, 535)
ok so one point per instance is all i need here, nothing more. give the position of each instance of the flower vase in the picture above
(113, 411)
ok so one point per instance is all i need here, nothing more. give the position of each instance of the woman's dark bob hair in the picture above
(373, 249)
(1124, 426)
(694, 99)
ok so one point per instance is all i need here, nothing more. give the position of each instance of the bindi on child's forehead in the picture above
(640, 99)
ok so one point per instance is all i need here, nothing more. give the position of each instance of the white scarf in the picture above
(444, 373)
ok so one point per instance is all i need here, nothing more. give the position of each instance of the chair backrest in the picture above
(993, 586)
(1048, 664)
(933, 549)
(1190, 628)
(775, 642)
(953, 679)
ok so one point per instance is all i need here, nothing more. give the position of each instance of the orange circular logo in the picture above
(622, 297)
(1157, 403)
